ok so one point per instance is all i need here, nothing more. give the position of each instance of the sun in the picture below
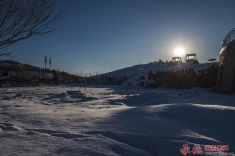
(179, 51)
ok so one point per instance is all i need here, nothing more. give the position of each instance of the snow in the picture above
(157, 66)
(109, 120)
(161, 66)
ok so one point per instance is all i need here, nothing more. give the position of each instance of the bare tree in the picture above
(22, 72)
(21, 19)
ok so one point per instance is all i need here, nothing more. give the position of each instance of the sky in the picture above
(107, 35)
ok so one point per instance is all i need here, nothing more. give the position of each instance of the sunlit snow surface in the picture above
(107, 120)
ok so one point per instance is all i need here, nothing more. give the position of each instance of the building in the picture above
(191, 58)
(226, 72)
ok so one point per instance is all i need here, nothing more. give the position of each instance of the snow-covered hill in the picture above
(160, 74)
(14, 73)
(12, 68)
(130, 71)
(181, 76)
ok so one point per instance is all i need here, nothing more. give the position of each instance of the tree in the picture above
(45, 60)
(50, 62)
(22, 72)
(21, 19)
(56, 77)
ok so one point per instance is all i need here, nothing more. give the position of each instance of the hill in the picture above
(14, 73)
(161, 74)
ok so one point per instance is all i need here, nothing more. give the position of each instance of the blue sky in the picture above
(106, 35)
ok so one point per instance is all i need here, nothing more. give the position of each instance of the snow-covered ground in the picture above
(112, 120)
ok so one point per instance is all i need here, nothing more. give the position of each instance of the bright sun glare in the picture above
(179, 51)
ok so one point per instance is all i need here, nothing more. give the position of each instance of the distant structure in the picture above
(45, 60)
(50, 62)
(211, 60)
(191, 58)
(226, 72)
(175, 61)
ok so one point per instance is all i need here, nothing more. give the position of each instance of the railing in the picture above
(228, 38)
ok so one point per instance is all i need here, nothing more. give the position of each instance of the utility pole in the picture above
(45, 60)
(50, 62)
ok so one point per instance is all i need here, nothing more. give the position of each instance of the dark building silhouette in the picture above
(226, 72)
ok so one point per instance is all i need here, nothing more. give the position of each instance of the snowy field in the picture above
(111, 120)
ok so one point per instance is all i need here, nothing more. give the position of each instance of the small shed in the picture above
(211, 60)
(175, 61)
(191, 58)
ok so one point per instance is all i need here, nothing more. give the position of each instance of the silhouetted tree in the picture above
(34, 81)
(56, 77)
(22, 73)
(21, 19)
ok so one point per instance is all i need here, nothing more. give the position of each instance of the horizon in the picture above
(103, 36)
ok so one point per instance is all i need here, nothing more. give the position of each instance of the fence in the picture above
(228, 38)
